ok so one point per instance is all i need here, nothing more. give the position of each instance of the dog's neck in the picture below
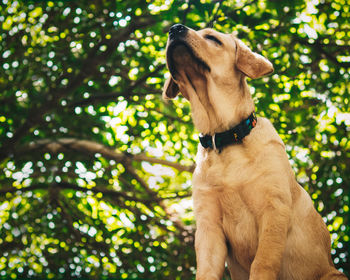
(217, 109)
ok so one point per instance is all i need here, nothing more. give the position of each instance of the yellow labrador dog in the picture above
(249, 209)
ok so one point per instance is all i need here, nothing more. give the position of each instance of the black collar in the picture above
(233, 136)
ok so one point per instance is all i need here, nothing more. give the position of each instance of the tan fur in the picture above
(249, 209)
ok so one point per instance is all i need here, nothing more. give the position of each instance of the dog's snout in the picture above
(177, 30)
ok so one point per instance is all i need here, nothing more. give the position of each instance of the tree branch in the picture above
(111, 96)
(103, 190)
(26, 189)
(321, 48)
(188, 9)
(210, 24)
(91, 147)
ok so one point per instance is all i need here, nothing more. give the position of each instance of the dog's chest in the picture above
(239, 226)
(229, 169)
(226, 180)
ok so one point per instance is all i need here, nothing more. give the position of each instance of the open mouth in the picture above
(181, 48)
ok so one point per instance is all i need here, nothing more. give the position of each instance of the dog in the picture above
(250, 212)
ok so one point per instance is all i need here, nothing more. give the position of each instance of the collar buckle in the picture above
(213, 142)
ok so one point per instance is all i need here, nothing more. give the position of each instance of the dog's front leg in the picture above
(273, 228)
(210, 242)
(211, 252)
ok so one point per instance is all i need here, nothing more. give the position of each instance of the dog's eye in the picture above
(212, 38)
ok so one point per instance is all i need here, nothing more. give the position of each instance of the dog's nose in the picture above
(177, 30)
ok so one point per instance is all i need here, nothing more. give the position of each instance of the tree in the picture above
(96, 168)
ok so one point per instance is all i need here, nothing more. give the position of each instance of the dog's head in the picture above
(200, 55)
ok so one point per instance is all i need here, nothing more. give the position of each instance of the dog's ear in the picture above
(250, 63)
(171, 89)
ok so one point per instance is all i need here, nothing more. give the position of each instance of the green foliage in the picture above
(96, 168)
